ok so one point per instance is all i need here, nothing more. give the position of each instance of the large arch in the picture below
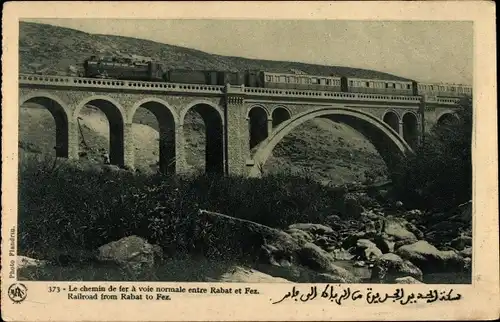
(116, 116)
(213, 118)
(392, 118)
(167, 123)
(387, 141)
(257, 125)
(410, 129)
(57, 108)
(280, 115)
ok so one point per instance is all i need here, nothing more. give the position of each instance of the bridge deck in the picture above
(81, 82)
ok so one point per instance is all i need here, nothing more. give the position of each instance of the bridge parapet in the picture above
(27, 79)
(331, 95)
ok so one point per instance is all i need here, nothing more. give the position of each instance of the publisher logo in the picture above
(17, 292)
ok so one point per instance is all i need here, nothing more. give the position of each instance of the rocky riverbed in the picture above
(376, 245)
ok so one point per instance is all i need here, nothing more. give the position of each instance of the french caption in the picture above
(150, 293)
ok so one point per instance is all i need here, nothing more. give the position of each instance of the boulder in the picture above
(365, 243)
(431, 260)
(133, 254)
(341, 254)
(372, 254)
(314, 257)
(407, 280)
(466, 252)
(397, 229)
(302, 237)
(246, 275)
(320, 261)
(388, 267)
(461, 242)
(230, 238)
(316, 229)
(24, 261)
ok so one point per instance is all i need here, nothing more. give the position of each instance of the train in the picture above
(142, 70)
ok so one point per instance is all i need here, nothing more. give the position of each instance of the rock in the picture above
(231, 238)
(316, 229)
(370, 214)
(399, 204)
(414, 230)
(390, 266)
(372, 253)
(461, 242)
(341, 254)
(352, 240)
(407, 280)
(466, 252)
(365, 243)
(314, 257)
(359, 264)
(401, 243)
(244, 275)
(132, 253)
(431, 260)
(385, 245)
(397, 229)
(300, 236)
(24, 261)
(334, 222)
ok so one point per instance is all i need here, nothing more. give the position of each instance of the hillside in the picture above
(322, 149)
(56, 48)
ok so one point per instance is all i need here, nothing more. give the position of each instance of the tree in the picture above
(439, 176)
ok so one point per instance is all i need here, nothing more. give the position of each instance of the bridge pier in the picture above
(129, 146)
(401, 128)
(236, 133)
(73, 139)
(269, 126)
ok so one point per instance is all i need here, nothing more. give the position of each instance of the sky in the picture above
(427, 51)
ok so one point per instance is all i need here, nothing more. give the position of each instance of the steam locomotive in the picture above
(141, 70)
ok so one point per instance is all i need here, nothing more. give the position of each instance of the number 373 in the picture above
(54, 289)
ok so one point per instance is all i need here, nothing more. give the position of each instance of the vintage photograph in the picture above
(249, 161)
(245, 151)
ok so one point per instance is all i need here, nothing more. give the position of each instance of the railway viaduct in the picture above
(243, 124)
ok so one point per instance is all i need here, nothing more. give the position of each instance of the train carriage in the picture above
(444, 90)
(377, 86)
(302, 82)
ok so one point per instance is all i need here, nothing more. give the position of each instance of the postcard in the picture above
(249, 161)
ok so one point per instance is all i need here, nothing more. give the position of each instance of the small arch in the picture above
(216, 107)
(140, 103)
(392, 118)
(166, 126)
(447, 118)
(213, 119)
(57, 109)
(390, 145)
(257, 125)
(115, 115)
(410, 129)
(268, 115)
(280, 115)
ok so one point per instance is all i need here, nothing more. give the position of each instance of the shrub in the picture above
(72, 209)
(439, 176)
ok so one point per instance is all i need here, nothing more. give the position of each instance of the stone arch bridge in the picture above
(238, 120)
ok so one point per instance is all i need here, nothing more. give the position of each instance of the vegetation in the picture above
(63, 209)
(439, 176)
